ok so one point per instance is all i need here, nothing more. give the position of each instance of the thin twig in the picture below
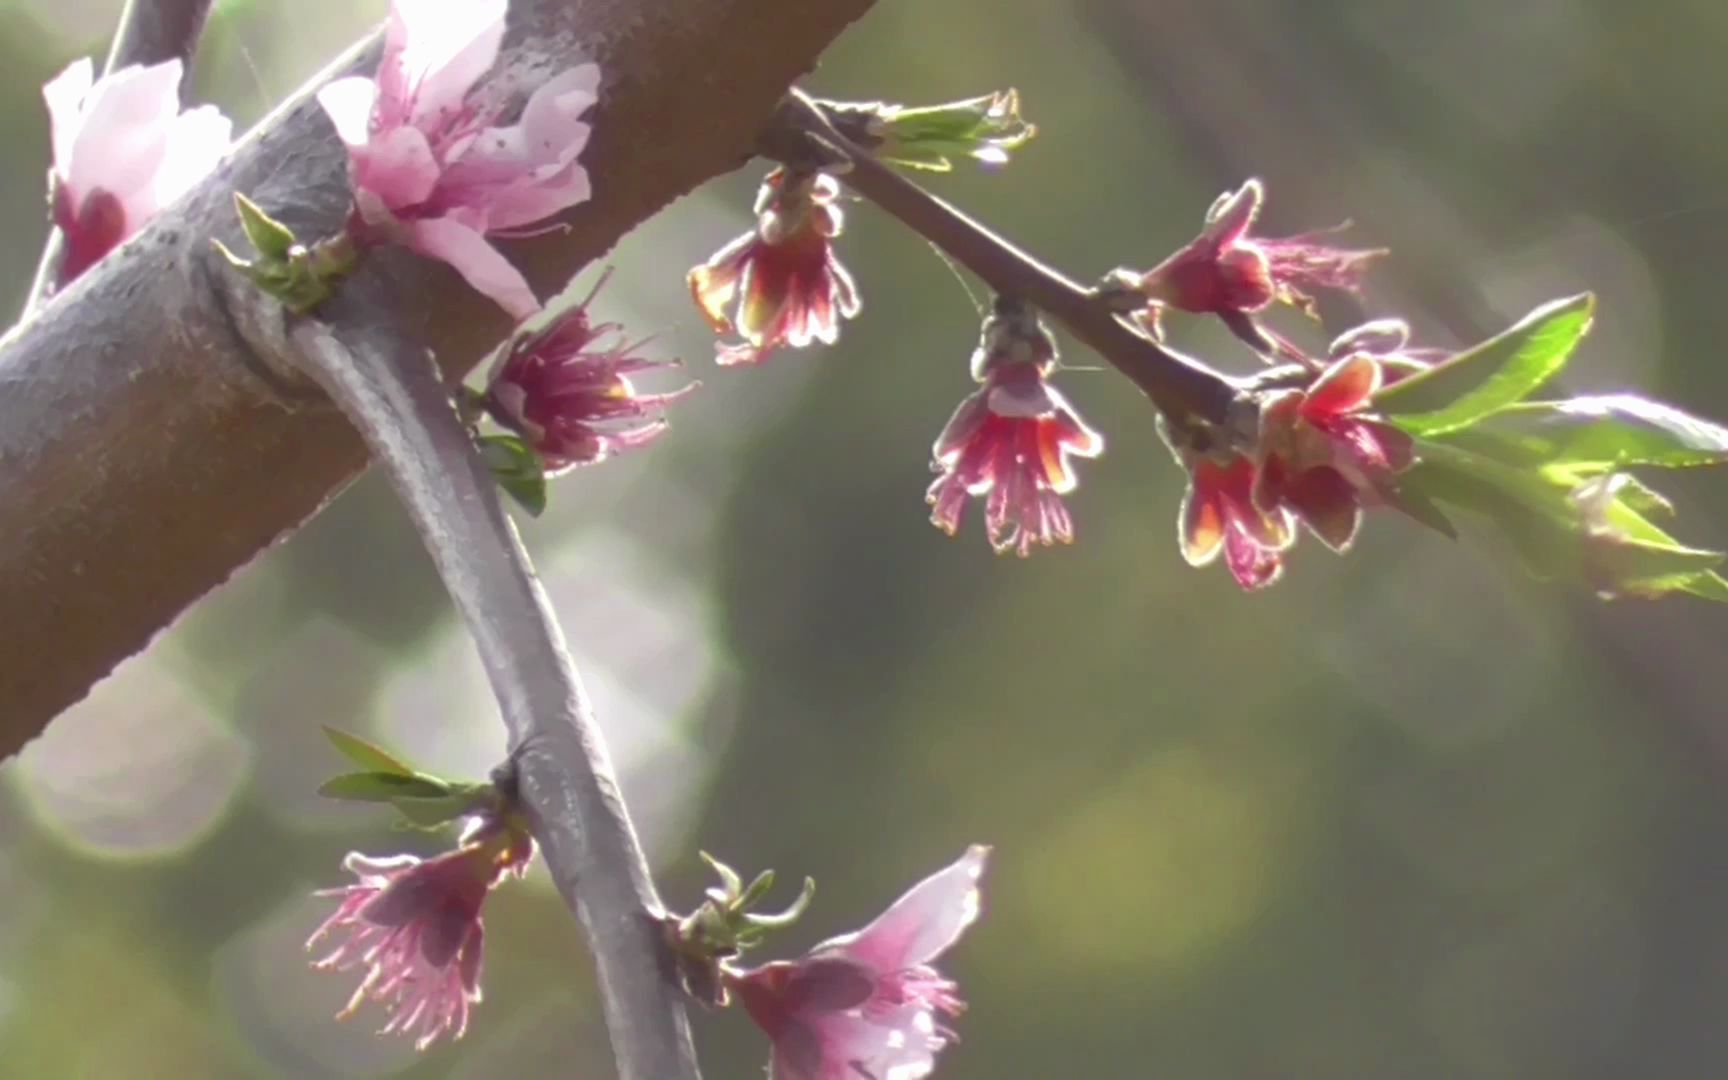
(1177, 384)
(395, 396)
(150, 32)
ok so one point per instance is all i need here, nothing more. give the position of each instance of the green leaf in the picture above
(382, 787)
(987, 128)
(460, 801)
(1624, 554)
(273, 239)
(1611, 431)
(1500, 371)
(517, 469)
(367, 755)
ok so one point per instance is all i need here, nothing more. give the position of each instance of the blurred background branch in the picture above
(145, 454)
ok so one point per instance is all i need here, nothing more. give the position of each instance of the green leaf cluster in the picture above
(424, 801)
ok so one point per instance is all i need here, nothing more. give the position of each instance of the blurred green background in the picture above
(1407, 815)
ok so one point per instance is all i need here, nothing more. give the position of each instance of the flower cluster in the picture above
(869, 1003)
(565, 390)
(790, 287)
(1013, 440)
(123, 150)
(432, 168)
(413, 927)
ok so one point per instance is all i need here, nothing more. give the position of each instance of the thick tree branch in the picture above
(150, 32)
(1176, 384)
(147, 450)
(393, 394)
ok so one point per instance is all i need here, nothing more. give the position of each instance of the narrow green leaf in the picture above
(1607, 432)
(428, 813)
(273, 239)
(1504, 369)
(367, 755)
(382, 787)
(517, 469)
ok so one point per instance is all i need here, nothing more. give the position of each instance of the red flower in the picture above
(566, 391)
(1323, 460)
(791, 286)
(414, 927)
(1224, 271)
(866, 1004)
(1219, 514)
(1012, 440)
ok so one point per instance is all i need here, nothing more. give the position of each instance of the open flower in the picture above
(1012, 440)
(430, 167)
(790, 285)
(1219, 515)
(1227, 272)
(566, 390)
(413, 926)
(122, 151)
(1321, 458)
(867, 1004)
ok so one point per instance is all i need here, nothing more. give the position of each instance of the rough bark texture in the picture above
(146, 451)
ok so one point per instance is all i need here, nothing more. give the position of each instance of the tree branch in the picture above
(151, 438)
(150, 32)
(393, 394)
(1176, 384)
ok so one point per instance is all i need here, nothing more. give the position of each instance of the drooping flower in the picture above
(1387, 343)
(123, 150)
(565, 389)
(1321, 458)
(1226, 271)
(869, 1003)
(430, 166)
(1219, 515)
(1013, 440)
(790, 285)
(413, 926)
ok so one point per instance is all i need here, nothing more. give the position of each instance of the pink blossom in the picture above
(1012, 441)
(1321, 457)
(413, 926)
(1228, 272)
(1219, 515)
(791, 287)
(123, 150)
(430, 166)
(866, 1005)
(566, 390)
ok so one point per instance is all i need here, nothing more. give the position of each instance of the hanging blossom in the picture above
(123, 150)
(565, 389)
(413, 927)
(431, 168)
(1228, 272)
(1219, 515)
(1322, 458)
(868, 1004)
(1013, 440)
(790, 285)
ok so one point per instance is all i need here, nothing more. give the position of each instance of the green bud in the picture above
(985, 128)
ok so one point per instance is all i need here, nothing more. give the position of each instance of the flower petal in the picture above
(65, 95)
(1382, 337)
(348, 103)
(1326, 502)
(922, 924)
(124, 132)
(476, 260)
(440, 50)
(1200, 522)
(196, 142)
(1252, 565)
(1342, 387)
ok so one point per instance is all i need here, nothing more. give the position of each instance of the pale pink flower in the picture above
(1013, 442)
(867, 1004)
(566, 390)
(430, 167)
(413, 926)
(123, 150)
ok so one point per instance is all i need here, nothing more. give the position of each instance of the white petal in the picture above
(348, 103)
(196, 142)
(446, 46)
(65, 95)
(128, 117)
